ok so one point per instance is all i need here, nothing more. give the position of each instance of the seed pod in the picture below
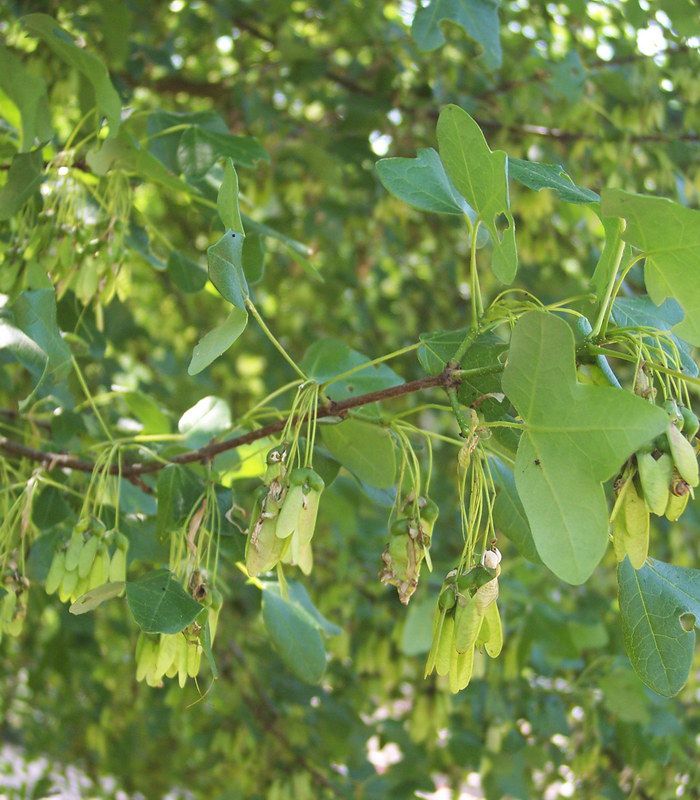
(438, 616)
(313, 487)
(445, 646)
(494, 642)
(683, 455)
(139, 646)
(14, 626)
(56, 571)
(167, 653)
(217, 602)
(485, 595)
(183, 647)
(259, 498)
(636, 538)
(276, 466)
(7, 607)
(619, 532)
(447, 598)
(655, 478)
(121, 541)
(75, 547)
(81, 588)
(99, 572)
(267, 550)
(145, 655)
(87, 556)
(117, 565)
(68, 584)
(194, 658)
(671, 408)
(172, 672)
(467, 624)
(464, 668)
(429, 513)
(288, 519)
(304, 557)
(676, 506)
(690, 423)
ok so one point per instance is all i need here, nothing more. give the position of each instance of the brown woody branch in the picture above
(133, 471)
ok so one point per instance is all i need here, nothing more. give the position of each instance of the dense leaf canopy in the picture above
(262, 267)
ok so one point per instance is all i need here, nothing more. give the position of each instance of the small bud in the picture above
(491, 558)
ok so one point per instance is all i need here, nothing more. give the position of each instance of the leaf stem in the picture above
(261, 322)
(603, 320)
(476, 300)
(86, 392)
(464, 427)
(359, 367)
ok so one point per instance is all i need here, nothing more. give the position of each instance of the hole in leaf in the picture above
(687, 621)
(502, 224)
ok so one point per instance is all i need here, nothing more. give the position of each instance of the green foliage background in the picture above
(326, 88)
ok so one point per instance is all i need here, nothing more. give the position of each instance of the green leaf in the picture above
(328, 357)
(87, 64)
(178, 489)
(227, 199)
(24, 177)
(187, 274)
(624, 696)
(295, 636)
(28, 92)
(481, 176)
(508, 512)
(124, 153)
(95, 597)
(148, 412)
(159, 604)
(253, 257)
(609, 260)
(423, 183)
(538, 176)
(300, 597)
(164, 144)
(652, 601)
(25, 350)
(640, 311)
(576, 436)
(668, 235)
(35, 315)
(218, 340)
(567, 78)
(49, 508)
(437, 349)
(365, 449)
(478, 18)
(226, 268)
(417, 635)
(199, 148)
(299, 251)
(207, 418)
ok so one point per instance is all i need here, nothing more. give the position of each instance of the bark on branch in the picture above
(133, 471)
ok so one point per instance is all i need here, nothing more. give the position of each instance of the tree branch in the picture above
(447, 378)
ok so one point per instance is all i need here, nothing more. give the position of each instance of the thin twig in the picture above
(448, 377)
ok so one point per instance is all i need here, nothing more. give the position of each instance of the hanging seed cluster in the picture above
(658, 480)
(284, 516)
(13, 604)
(408, 545)
(466, 617)
(91, 557)
(176, 655)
